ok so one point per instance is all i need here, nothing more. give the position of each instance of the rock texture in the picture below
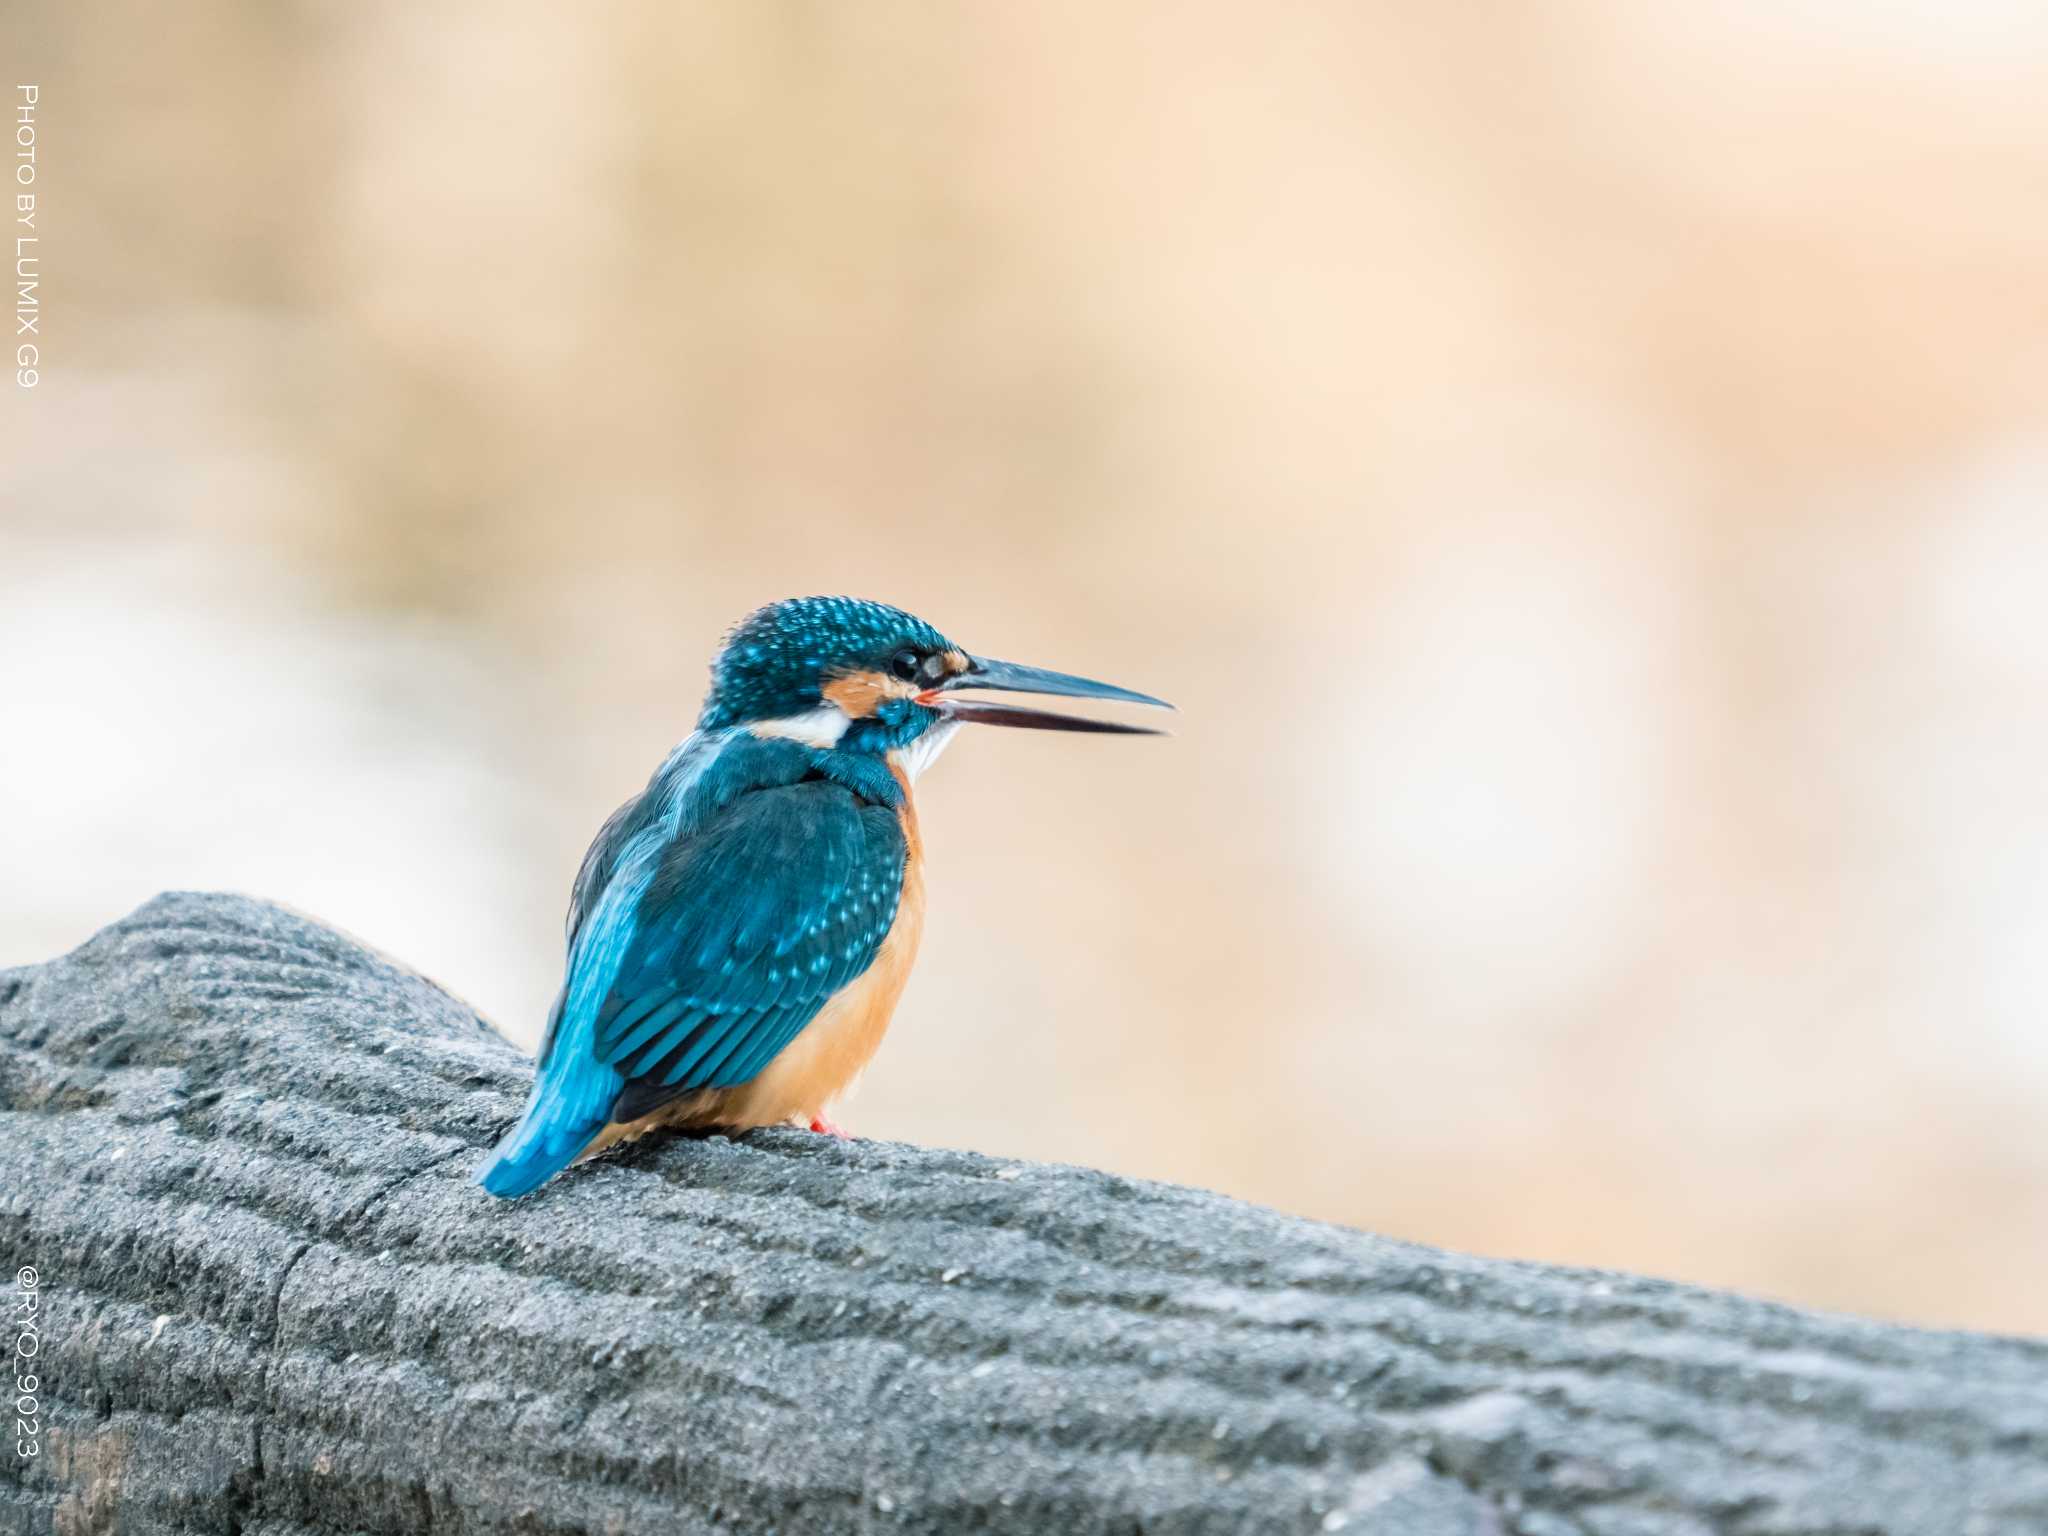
(238, 1151)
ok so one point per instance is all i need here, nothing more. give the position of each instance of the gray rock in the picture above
(238, 1151)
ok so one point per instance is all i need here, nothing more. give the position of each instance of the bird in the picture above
(739, 932)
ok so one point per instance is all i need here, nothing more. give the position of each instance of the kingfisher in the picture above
(741, 929)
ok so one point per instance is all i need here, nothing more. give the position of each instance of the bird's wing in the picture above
(599, 862)
(746, 927)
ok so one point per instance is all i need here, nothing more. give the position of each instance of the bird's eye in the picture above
(904, 664)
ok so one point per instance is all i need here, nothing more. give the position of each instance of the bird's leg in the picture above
(825, 1127)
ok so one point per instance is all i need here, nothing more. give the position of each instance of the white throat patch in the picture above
(924, 751)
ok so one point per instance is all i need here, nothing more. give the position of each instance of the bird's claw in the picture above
(825, 1127)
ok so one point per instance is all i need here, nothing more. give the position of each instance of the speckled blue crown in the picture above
(776, 658)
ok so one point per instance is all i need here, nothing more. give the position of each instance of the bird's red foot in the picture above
(825, 1127)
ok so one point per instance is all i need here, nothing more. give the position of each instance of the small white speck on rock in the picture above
(950, 1276)
(1009, 1173)
(884, 1503)
(1336, 1520)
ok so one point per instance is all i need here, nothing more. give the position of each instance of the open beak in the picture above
(1012, 678)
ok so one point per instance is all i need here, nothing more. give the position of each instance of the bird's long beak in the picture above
(1012, 678)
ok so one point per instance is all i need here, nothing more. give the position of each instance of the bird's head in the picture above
(860, 676)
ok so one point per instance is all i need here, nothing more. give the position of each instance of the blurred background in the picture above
(1581, 468)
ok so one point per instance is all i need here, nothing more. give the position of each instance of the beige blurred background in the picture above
(1582, 469)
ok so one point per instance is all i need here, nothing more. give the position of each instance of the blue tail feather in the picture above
(573, 1092)
(566, 1112)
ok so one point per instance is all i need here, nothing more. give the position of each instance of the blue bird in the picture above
(740, 930)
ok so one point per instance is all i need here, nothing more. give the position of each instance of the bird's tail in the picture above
(567, 1110)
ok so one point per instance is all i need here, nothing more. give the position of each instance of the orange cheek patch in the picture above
(860, 694)
(857, 693)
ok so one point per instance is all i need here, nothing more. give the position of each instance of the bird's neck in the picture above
(918, 754)
(907, 748)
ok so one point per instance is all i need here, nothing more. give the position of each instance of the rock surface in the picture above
(238, 1151)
